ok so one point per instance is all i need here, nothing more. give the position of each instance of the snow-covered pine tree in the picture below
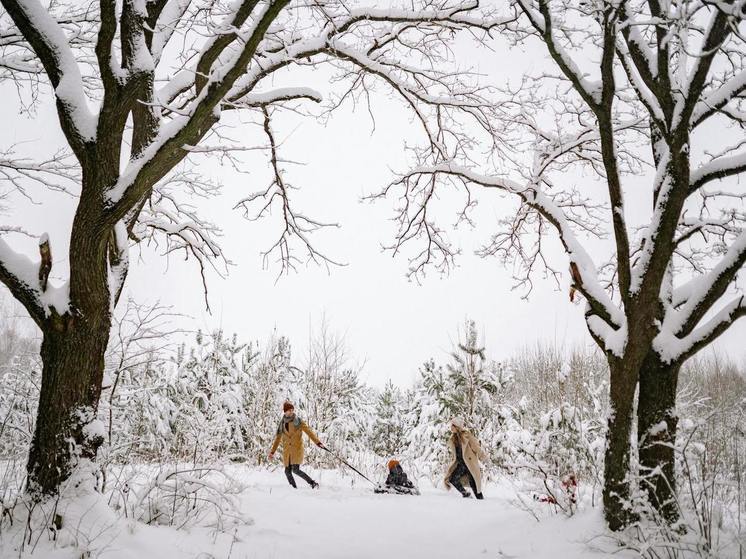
(389, 430)
(214, 414)
(426, 439)
(470, 384)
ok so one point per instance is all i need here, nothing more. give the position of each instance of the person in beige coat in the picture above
(466, 454)
(290, 434)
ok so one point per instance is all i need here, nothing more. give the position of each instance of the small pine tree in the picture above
(215, 413)
(388, 433)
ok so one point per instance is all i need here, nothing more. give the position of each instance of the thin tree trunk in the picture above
(656, 432)
(616, 491)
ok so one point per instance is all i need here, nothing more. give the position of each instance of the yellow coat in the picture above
(292, 442)
(472, 454)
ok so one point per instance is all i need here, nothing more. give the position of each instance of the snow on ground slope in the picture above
(342, 520)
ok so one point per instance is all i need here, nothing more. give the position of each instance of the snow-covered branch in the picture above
(693, 300)
(413, 222)
(166, 215)
(52, 47)
(717, 168)
(27, 280)
(58, 172)
(543, 23)
(673, 348)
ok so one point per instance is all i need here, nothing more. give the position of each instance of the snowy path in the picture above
(339, 521)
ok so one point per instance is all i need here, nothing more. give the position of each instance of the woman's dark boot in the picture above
(480, 496)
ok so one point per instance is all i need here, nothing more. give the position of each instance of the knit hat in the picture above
(458, 423)
(392, 464)
(287, 406)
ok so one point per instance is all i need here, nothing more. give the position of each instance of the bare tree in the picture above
(139, 88)
(646, 97)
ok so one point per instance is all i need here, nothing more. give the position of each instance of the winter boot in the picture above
(314, 485)
(457, 484)
(480, 496)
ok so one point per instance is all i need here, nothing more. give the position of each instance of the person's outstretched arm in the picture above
(311, 435)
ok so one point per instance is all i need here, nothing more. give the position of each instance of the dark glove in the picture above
(320, 444)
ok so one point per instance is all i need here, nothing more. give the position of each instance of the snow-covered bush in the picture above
(19, 377)
(179, 496)
(211, 415)
(550, 433)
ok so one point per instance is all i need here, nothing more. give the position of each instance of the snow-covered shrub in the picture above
(179, 496)
(564, 454)
(19, 377)
(552, 429)
(426, 447)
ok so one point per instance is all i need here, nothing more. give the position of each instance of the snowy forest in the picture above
(212, 400)
(556, 186)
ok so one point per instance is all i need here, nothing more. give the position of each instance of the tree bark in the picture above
(72, 352)
(656, 433)
(616, 492)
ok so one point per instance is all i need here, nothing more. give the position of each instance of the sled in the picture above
(395, 489)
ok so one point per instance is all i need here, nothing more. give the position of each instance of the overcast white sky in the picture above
(391, 323)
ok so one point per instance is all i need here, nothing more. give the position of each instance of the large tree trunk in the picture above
(73, 366)
(73, 351)
(616, 493)
(656, 432)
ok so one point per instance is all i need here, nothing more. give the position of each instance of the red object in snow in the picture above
(570, 485)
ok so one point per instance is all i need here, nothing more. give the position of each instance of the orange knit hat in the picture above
(392, 464)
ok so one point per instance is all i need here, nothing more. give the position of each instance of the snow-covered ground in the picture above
(342, 519)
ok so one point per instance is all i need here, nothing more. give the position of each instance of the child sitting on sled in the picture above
(397, 481)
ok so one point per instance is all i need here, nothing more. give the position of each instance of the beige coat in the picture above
(292, 442)
(472, 453)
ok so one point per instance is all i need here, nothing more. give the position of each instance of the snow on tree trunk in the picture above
(616, 491)
(72, 353)
(657, 424)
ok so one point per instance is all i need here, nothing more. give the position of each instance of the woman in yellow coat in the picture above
(290, 433)
(466, 454)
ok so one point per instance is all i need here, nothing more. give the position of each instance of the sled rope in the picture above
(346, 463)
